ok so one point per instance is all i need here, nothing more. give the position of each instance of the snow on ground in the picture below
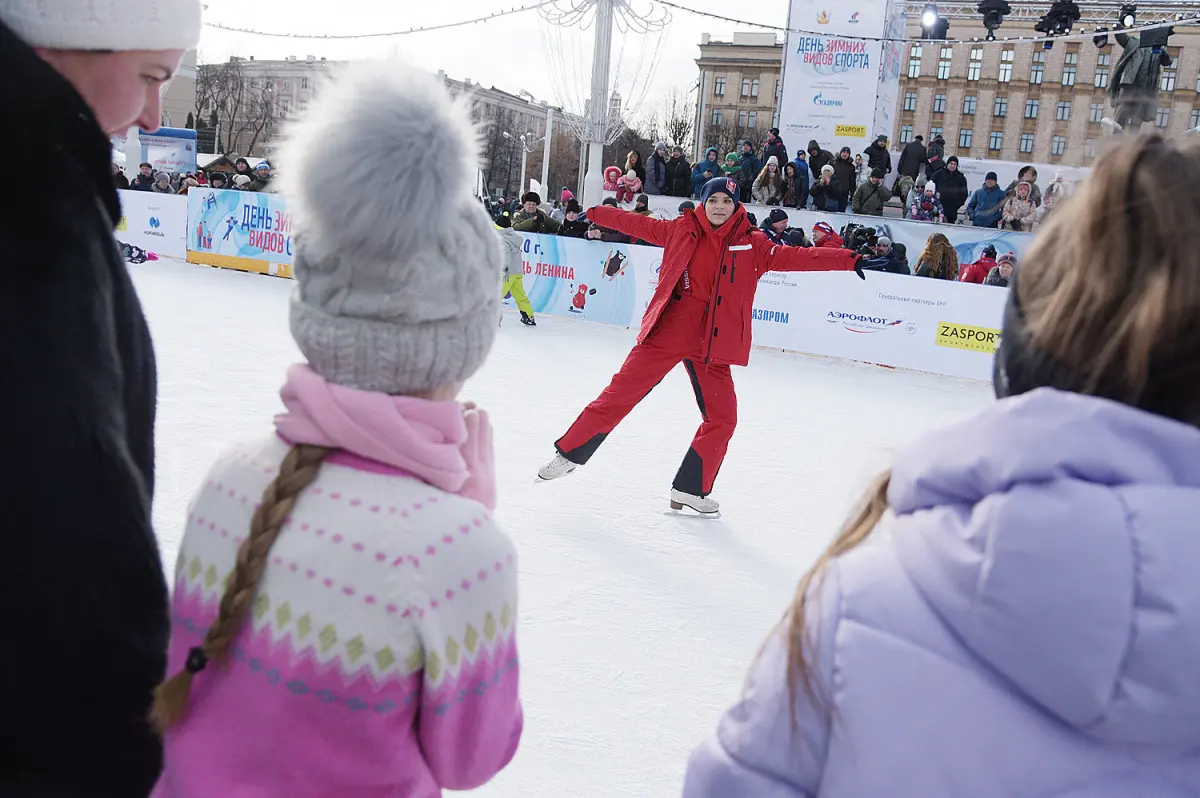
(636, 625)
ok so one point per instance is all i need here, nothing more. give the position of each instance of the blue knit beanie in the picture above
(723, 185)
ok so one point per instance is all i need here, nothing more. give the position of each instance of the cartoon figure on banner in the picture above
(579, 301)
(232, 222)
(204, 236)
(210, 200)
(614, 265)
(823, 18)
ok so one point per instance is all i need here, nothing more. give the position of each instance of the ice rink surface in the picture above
(637, 625)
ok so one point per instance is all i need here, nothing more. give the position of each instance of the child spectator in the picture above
(514, 269)
(343, 612)
(731, 167)
(628, 186)
(768, 186)
(925, 205)
(611, 175)
(1020, 209)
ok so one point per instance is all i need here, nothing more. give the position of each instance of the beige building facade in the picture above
(738, 89)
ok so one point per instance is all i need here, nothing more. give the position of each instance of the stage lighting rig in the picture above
(933, 24)
(993, 12)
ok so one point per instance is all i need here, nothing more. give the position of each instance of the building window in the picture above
(741, 118)
(716, 117)
(1162, 117)
(1038, 69)
(1096, 112)
(1089, 148)
(906, 134)
(754, 88)
(753, 121)
(1026, 142)
(1031, 108)
(975, 66)
(1062, 111)
(1069, 68)
(969, 103)
(719, 87)
(776, 95)
(910, 101)
(965, 136)
(303, 83)
(745, 87)
(1058, 145)
(1167, 82)
(914, 61)
(1103, 64)
(1194, 119)
(934, 132)
(996, 140)
(939, 103)
(944, 62)
(1000, 107)
(1006, 65)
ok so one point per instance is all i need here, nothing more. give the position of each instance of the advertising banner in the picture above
(830, 82)
(171, 150)
(609, 283)
(152, 225)
(890, 61)
(245, 230)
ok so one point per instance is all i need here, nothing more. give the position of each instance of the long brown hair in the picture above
(940, 256)
(299, 469)
(1109, 289)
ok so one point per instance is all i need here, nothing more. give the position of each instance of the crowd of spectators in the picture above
(244, 178)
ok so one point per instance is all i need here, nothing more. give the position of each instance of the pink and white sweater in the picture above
(380, 657)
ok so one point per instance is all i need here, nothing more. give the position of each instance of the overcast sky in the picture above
(510, 52)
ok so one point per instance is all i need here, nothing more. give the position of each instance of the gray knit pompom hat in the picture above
(397, 264)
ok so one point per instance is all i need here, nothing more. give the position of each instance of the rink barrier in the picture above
(891, 320)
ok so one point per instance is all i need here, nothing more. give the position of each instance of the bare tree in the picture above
(239, 110)
(678, 112)
(259, 112)
(728, 137)
(564, 163)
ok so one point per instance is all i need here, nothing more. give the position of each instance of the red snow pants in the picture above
(678, 339)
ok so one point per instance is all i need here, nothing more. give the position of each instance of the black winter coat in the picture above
(912, 158)
(879, 158)
(778, 150)
(815, 162)
(846, 175)
(952, 187)
(936, 155)
(679, 177)
(81, 583)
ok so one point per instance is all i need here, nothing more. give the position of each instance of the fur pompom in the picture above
(380, 163)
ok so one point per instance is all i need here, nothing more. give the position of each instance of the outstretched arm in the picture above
(779, 258)
(633, 224)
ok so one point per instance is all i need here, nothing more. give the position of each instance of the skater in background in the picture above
(699, 317)
(1012, 609)
(327, 638)
(81, 580)
(514, 269)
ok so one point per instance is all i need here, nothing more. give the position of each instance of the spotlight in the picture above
(1101, 37)
(1128, 16)
(993, 12)
(933, 24)
(1060, 19)
(929, 17)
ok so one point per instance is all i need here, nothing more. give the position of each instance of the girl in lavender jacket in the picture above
(1029, 625)
(343, 621)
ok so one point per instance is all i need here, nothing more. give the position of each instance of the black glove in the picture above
(858, 268)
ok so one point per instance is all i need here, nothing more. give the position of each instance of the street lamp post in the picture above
(525, 150)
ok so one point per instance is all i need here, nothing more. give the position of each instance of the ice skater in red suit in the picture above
(700, 316)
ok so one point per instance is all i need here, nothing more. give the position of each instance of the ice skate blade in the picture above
(539, 479)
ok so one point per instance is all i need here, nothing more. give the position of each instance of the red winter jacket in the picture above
(976, 272)
(727, 339)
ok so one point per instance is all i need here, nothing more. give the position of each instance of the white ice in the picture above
(636, 625)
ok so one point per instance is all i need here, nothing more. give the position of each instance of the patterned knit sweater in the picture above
(380, 657)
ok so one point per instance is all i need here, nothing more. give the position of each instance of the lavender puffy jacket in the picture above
(1029, 626)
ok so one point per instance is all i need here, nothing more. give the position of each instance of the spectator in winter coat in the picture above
(242, 167)
(1019, 209)
(606, 234)
(611, 175)
(774, 147)
(732, 166)
(262, 177)
(887, 258)
(242, 182)
(827, 194)
(162, 184)
(1029, 175)
(628, 186)
(144, 181)
(513, 280)
(705, 170)
(872, 195)
(846, 176)
(986, 206)
(803, 179)
(656, 171)
(1055, 194)
(951, 188)
(823, 235)
(634, 161)
(861, 172)
(904, 190)
(572, 226)
(119, 178)
(768, 186)
(81, 580)
(1019, 580)
(775, 226)
(978, 271)
(925, 206)
(679, 174)
(937, 156)
(912, 158)
(532, 219)
(1002, 273)
(187, 184)
(792, 198)
(818, 159)
(750, 168)
(878, 156)
(938, 260)
(642, 205)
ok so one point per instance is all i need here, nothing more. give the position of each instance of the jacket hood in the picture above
(1055, 535)
(711, 151)
(813, 145)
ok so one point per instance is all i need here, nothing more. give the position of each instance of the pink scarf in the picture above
(445, 444)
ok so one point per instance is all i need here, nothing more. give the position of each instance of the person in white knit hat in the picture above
(344, 612)
(81, 580)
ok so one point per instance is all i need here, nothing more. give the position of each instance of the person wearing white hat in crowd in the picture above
(81, 581)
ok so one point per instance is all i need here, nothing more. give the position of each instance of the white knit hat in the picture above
(397, 265)
(104, 24)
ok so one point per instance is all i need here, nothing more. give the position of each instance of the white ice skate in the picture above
(558, 467)
(703, 505)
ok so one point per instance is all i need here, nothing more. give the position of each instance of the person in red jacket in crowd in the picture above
(700, 315)
(826, 237)
(977, 272)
